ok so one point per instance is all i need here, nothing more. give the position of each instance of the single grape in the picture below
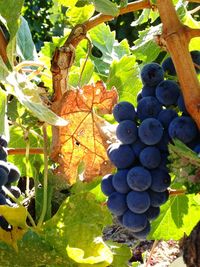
(133, 221)
(3, 153)
(158, 198)
(150, 157)
(166, 116)
(150, 131)
(139, 178)
(148, 107)
(14, 173)
(160, 180)
(167, 92)
(122, 156)
(152, 213)
(142, 235)
(137, 147)
(164, 162)
(3, 141)
(139, 96)
(148, 91)
(152, 74)
(197, 149)
(138, 202)
(120, 181)
(183, 128)
(195, 54)
(3, 176)
(181, 104)
(4, 224)
(5, 165)
(117, 203)
(164, 142)
(124, 111)
(2, 200)
(15, 191)
(106, 185)
(168, 66)
(126, 132)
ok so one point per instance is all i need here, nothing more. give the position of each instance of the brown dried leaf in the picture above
(83, 140)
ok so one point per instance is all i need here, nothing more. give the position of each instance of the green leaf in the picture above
(78, 15)
(15, 216)
(178, 216)
(185, 165)
(79, 229)
(10, 10)
(25, 46)
(68, 3)
(122, 254)
(3, 117)
(33, 251)
(17, 141)
(103, 39)
(145, 47)
(124, 75)
(106, 7)
(27, 93)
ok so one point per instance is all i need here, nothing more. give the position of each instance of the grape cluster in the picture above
(9, 174)
(140, 185)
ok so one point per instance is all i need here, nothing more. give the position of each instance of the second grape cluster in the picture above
(140, 185)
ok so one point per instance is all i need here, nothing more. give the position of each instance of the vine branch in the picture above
(176, 38)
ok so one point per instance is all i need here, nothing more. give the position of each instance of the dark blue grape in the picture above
(4, 224)
(148, 91)
(158, 198)
(150, 131)
(14, 173)
(164, 162)
(3, 141)
(152, 213)
(197, 149)
(148, 107)
(3, 176)
(124, 111)
(168, 66)
(135, 222)
(2, 199)
(139, 96)
(160, 180)
(139, 178)
(164, 142)
(126, 132)
(142, 235)
(3, 153)
(117, 203)
(15, 191)
(5, 165)
(167, 92)
(137, 147)
(122, 156)
(183, 128)
(120, 181)
(150, 157)
(106, 185)
(181, 104)
(138, 202)
(195, 54)
(166, 116)
(152, 74)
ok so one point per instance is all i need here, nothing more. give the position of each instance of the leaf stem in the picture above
(45, 181)
(22, 151)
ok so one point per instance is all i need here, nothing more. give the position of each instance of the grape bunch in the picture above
(140, 185)
(9, 174)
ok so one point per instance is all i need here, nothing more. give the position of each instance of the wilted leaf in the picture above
(11, 237)
(84, 139)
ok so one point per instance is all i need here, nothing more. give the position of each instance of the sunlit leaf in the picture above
(79, 15)
(84, 139)
(106, 7)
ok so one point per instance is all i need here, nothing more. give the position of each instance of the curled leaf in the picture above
(85, 139)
